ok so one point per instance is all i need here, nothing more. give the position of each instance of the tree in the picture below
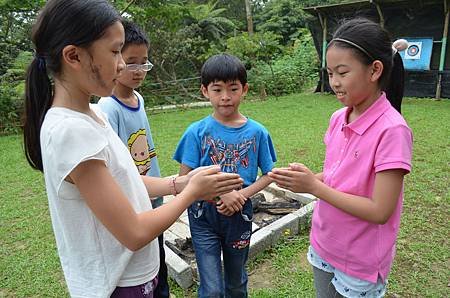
(210, 19)
(248, 9)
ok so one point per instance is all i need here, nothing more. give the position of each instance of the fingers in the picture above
(281, 177)
(242, 199)
(227, 176)
(228, 185)
(236, 207)
(285, 179)
(209, 170)
(283, 171)
(226, 212)
(296, 166)
(223, 209)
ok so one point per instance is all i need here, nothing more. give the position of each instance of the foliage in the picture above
(211, 22)
(11, 93)
(252, 48)
(289, 73)
(284, 17)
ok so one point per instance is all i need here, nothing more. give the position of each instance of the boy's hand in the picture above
(209, 182)
(230, 203)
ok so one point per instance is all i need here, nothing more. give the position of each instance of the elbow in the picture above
(134, 246)
(136, 241)
(380, 219)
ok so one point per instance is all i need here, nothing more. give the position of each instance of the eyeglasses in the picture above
(144, 67)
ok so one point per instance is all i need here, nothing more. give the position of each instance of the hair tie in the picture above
(40, 60)
(354, 45)
(399, 45)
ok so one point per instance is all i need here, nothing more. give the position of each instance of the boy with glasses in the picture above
(126, 114)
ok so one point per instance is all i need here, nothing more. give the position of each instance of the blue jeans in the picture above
(212, 234)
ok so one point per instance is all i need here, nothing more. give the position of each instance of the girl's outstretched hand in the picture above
(296, 178)
(208, 182)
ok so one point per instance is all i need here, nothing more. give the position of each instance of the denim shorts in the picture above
(345, 284)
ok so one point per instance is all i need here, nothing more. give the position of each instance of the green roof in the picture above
(367, 4)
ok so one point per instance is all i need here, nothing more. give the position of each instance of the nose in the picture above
(225, 96)
(334, 82)
(121, 65)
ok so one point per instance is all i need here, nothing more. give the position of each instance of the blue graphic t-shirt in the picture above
(133, 128)
(239, 150)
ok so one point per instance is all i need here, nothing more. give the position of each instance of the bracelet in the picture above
(172, 185)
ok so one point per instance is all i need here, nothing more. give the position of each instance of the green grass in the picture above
(29, 265)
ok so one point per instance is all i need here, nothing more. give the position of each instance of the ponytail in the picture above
(395, 87)
(38, 99)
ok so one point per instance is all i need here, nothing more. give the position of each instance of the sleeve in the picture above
(111, 113)
(266, 155)
(72, 142)
(332, 123)
(394, 149)
(188, 149)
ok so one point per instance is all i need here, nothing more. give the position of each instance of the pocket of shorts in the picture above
(247, 211)
(196, 209)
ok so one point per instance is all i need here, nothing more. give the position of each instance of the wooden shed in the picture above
(424, 23)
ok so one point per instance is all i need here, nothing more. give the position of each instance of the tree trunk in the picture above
(248, 10)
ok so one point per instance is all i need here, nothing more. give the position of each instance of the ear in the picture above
(71, 56)
(377, 70)
(205, 91)
(245, 89)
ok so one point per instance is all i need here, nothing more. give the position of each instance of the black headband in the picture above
(354, 45)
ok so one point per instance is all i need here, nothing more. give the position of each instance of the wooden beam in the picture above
(443, 50)
(323, 23)
(380, 12)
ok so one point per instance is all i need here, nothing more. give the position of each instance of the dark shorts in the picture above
(145, 290)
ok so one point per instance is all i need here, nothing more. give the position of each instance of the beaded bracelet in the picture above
(172, 185)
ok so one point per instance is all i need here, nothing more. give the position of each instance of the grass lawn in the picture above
(29, 265)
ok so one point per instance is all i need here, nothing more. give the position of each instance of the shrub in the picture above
(292, 72)
(11, 94)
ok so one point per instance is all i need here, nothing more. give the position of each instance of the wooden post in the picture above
(380, 14)
(443, 50)
(323, 22)
(248, 10)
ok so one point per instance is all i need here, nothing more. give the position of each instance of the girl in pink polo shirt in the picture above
(368, 152)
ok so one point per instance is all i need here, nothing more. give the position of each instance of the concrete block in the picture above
(286, 224)
(169, 236)
(181, 230)
(178, 269)
(259, 241)
(304, 215)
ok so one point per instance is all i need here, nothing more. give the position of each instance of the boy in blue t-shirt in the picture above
(240, 145)
(127, 116)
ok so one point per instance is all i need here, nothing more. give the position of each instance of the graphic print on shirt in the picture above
(228, 156)
(140, 151)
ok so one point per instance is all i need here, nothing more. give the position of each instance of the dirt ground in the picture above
(261, 277)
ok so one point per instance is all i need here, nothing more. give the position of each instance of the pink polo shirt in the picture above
(377, 140)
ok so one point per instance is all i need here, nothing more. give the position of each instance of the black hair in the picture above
(59, 24)
(376, 44)
(223, 67)
(133, 34)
